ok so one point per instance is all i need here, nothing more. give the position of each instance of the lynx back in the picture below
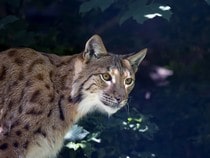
(42, 95)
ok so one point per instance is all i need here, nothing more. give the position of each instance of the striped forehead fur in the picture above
(108, 62)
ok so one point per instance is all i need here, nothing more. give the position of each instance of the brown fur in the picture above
(40, 96)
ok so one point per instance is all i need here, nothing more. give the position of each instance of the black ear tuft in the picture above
(94, 48)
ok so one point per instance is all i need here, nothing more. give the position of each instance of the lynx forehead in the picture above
(42, 95)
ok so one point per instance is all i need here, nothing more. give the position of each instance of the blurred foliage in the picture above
(208, 1)
(109, 136)
(138, 10)
(94, 4)
(167, 121)
(5, 21)
(185, 129)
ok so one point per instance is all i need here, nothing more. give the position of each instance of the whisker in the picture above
(128, 105)
(128, 108)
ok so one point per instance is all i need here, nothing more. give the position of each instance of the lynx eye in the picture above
(106, 77)
(128, 81)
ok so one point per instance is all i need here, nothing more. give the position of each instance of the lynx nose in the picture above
(118, 99)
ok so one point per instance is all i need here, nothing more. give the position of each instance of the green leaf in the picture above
(75, 146)
(139, 11)
(139, 120)
(95, 4)
(7, 20)
(129, 119)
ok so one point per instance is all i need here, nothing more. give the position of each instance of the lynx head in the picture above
(105, 79)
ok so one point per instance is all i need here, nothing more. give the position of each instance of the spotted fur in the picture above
(42, 95)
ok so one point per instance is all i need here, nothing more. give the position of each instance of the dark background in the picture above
(168, 115)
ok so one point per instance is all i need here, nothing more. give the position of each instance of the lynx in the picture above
(42, 95)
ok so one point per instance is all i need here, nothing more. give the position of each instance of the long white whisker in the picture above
(128, 105)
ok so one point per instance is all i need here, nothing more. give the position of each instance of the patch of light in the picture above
(96, 140)
(76, 133)
(147, 95)
(131, 125)
(125, 123)
(164, 72)
(164, 8)
(150, 16)
(153, 155)
(144, 130)
(160, 73)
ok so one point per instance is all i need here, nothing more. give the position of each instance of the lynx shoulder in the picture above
(42, 95)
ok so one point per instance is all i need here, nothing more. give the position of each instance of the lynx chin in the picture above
(42, 95)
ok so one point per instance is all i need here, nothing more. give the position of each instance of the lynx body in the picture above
(43, 95)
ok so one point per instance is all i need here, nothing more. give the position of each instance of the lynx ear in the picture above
(94, 48)
(136, 59)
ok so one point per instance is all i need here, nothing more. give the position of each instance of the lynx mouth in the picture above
(111, 104)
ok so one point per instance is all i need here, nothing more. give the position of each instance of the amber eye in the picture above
(128, 81)
(106, 77)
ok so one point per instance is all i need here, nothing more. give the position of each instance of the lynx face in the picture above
(110, 86)
(107, 79)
